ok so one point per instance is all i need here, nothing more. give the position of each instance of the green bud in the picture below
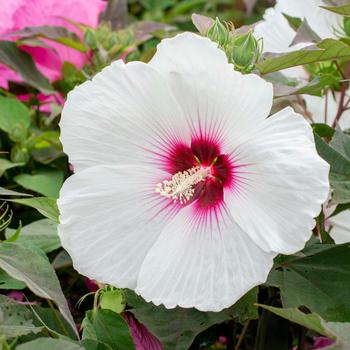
(18, 133)
(90, 39)
(244, 51)
(112, 300)
(346, 23)
(218, 32)
(19, 154)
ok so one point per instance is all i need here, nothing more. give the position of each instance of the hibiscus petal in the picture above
(201, 265)
(283, 183)
(215, 99)
(125, 114)
(109, 221)
(340, 223)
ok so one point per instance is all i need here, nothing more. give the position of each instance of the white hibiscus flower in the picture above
(184, 190)
(277, 33)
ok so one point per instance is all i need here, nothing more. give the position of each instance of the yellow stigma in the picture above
(180, 187)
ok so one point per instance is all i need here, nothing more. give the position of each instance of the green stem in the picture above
(58, 319)
(241, 337)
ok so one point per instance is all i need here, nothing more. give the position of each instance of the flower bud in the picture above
(112, 300)
(218, 33)
(243, 52)
(18, 133)
(19, 154)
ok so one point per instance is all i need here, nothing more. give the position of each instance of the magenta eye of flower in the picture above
(199, 173)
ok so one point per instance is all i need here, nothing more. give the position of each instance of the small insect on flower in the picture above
(183, 189)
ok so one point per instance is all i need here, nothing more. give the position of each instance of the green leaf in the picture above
(56, 33)
(6, 164)
(15, 319)
(311, 321)
(41, 233)
(91, 344)
(334, 330)
(13, 114)
(318, 278)
(326, 50)
(340, 10)
(109, 328)
(337, 154)
(49, 343)
(6, 192)
(323, 130)
(47, 147)
(294, 22)
(8, 282)
(36, 272)
(176, 328)
(46, 182)
(45, 206)
(22, 63)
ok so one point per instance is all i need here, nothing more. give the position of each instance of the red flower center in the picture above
(205, 154)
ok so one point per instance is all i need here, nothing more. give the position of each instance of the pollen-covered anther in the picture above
(181, 186)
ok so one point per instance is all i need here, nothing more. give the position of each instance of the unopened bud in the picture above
(218, 32)
(244, 51)
(18, 133)
(19, 154)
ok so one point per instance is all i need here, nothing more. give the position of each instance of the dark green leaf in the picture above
(45, 182)
(22, 63)
(6, 164)
(109, 328)
(294, 22)
(42, 233)
(90, 344)
(318, 278)
(45, 206)
(326, 50)
(177, 328)
(323, 130)
(50, 343)
(36, 272)
(311, 321)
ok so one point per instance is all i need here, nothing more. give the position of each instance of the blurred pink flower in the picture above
(142, 338)
(45, 101)
(18, 14)
(322, 342)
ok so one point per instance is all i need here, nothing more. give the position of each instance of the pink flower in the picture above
(45, 101)
(142, 338)
(322, 342)
(18, 14)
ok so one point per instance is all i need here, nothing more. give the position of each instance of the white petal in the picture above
(316, 106)
(194, 265)
(215, 99)
(276, 32)
(109, 221)
(340, 223)
(281, 184)
(126, 114)
(321, 21)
